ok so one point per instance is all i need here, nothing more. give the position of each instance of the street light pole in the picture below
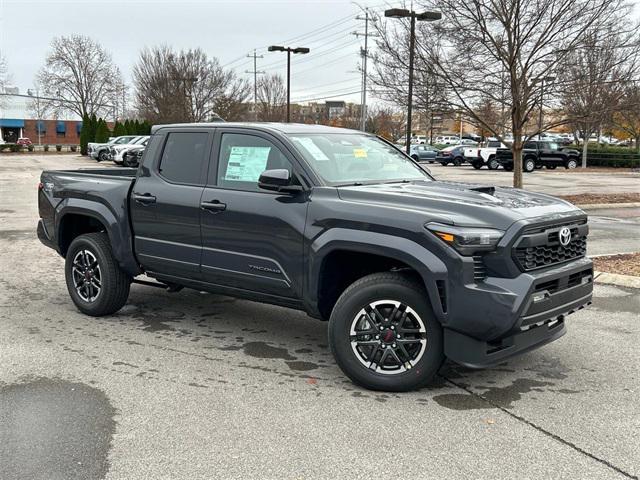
(289, 50)
(413, 16)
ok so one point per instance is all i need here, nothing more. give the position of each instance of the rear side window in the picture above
(183, 157)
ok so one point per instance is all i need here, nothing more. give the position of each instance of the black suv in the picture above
(538, 154)
(337, 223)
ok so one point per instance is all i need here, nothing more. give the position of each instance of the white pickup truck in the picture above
(484, 154)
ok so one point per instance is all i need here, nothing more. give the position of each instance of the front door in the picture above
(252, 238)
(165, 203)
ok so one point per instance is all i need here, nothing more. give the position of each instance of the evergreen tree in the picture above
(119, 129)
(102, 132)
(84, 134)
(93, 127)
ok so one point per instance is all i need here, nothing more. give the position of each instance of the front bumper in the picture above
(506, 317)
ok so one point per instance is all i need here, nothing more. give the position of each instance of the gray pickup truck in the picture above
(340, 224)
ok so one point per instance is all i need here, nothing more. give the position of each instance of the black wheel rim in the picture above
(388, 337)
(87, 278)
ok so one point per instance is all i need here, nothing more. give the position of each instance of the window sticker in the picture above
(312, 148)
(359, 153)
(246, 163)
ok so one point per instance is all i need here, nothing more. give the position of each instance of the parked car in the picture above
(447, 140)
(423, 153)
(453, 154)
(24, 141)
(419, 139)
(337, 223)
(131, 158)
(485, 155)
(100, 151)
(537, 154)
(117, 152)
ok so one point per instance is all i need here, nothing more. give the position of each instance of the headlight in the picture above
(467, 240)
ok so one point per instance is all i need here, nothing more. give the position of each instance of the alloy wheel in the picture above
(87, 278)
(388, 337)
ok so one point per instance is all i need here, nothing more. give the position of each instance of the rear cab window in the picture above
(184, 157)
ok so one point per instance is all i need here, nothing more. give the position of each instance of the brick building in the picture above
(17, 120)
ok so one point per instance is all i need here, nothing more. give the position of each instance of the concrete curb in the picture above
(597, 206)
(616, 279)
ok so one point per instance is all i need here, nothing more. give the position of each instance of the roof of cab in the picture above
(284, 128)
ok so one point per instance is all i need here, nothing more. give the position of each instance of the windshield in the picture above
(347, 159)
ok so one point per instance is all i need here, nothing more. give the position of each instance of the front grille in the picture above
(540, 247)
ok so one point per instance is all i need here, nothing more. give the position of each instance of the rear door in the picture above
(165, 202)
(252, 238)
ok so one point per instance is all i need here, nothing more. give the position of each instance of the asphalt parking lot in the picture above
(192, 385)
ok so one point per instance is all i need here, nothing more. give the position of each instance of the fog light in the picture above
(538, 297)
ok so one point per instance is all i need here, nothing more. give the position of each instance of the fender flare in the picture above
(429, 266)
(119, 235)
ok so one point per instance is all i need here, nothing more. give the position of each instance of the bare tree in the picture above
(272, 99)
(4, 77)
(390, 76)
(596, 77)
(627, 117)
(80, 76)
(503, 51)
(387, 122)
(184, 86)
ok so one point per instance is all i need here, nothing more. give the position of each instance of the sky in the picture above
(228, 30)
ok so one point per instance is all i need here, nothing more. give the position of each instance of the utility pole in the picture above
(364, 52)
(255, 72)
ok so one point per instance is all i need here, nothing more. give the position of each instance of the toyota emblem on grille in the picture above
(565, 236)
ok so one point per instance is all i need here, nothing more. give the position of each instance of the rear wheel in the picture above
(383, 333)
(493, 164)
(95, 282)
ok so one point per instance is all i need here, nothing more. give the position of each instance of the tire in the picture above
(103, 156)
(492, 164)
(106, 287)
(571, 163)
(477, 165)
(551, 167)
(457, 161)
(415, 157)
(444, 164)
(529, 165)
(386, 291)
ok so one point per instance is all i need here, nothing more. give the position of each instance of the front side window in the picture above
(353, 158)
(244, 157)
(184, 157)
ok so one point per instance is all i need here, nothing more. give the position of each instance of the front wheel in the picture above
(383, 333)
(457, 162)
(571, 164)
(529, 165)
(95, 282)
(493, 164)
(103, 156)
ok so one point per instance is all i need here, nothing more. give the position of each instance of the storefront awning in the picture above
(11, 123)
(61, 127)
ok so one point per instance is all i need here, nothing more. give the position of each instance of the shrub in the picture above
(74, 148)
(58, 148)
(46, 148)
(15, 148)
(30, 148)
(6, 146)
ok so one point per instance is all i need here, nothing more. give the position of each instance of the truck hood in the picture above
(462, 203)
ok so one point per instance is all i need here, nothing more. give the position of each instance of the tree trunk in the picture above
(585, 148)
(638, 144)
(516, 151)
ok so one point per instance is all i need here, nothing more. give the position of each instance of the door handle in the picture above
(146, 199)
(213, 206)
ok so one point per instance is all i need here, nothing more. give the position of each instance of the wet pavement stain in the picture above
(492, 397)
(52, 428)
(264, 350)
(302, 366)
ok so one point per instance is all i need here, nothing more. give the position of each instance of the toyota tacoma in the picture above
(339, 224)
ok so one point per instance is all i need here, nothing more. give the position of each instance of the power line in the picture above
(326, 97)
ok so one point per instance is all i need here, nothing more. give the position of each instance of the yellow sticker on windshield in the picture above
(359, 153)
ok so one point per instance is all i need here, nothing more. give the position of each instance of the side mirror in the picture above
(278, 180)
